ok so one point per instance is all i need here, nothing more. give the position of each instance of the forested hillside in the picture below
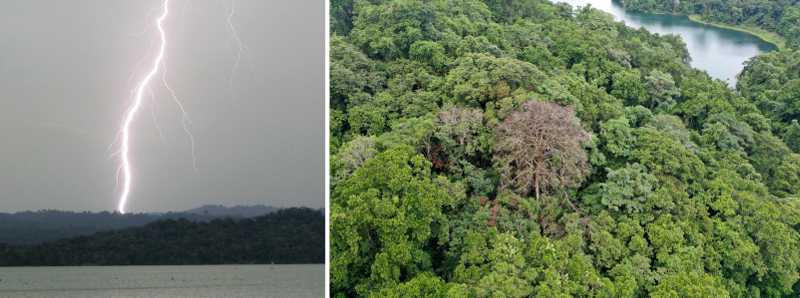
(522, 149)
(779, 16)
(233, 211)
(772, 82)
(30, 227)
(288, 236)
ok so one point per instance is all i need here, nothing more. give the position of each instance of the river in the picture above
(720, 52)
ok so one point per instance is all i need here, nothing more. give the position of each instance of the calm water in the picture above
(720, 52)
(164, 281)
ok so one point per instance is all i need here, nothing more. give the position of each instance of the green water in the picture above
(720, 52)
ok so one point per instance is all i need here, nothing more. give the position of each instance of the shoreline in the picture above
(764, 35)
(163, 265)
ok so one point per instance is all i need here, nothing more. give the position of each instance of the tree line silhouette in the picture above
(288, 236)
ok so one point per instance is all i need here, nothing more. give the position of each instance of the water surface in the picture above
(720, 52)
(164, 281)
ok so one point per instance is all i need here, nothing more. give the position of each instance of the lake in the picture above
(720, 52)
(164, 281)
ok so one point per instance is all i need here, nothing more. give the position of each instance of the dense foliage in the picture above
(772, 82)
(655, 180)
(288, 236)
(780, 16)
(30, 227)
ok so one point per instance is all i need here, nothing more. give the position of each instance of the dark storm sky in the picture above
(66, 72)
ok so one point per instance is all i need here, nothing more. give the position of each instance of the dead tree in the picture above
(539, 149)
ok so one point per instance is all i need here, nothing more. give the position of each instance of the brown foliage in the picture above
(540, 149)
(493, 217)
(438, 157)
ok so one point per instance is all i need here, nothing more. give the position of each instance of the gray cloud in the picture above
(66, 72)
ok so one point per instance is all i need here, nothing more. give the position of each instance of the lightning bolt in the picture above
(159, 64)
(185, 121)
(238, 40)
(131, 113)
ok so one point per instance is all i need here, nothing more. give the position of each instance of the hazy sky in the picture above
(67, 69)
